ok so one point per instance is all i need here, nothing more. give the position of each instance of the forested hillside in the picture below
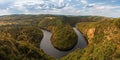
(64, 38)
(20, 37)
(21, 43)
(103, 38)
(38, 19)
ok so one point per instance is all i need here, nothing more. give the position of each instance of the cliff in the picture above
(103, 41)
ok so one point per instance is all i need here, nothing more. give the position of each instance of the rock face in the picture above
(90, 34)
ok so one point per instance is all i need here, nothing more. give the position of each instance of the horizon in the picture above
(57, 15)
(106, 8)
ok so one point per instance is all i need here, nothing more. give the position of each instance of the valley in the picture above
(59, 37)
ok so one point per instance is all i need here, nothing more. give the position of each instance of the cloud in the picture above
(90, 6)
(37, 6)
(4, 12)
(65, 7)
(1, 1)
(84, 1)
(100, 6)
(41, 4)
(102, 10)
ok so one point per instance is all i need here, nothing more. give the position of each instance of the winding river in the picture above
(48, 48)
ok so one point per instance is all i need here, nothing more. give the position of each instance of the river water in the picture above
(48, 48)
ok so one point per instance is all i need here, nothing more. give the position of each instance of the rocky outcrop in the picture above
(90, 34)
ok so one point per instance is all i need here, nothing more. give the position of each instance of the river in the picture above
(48, 48)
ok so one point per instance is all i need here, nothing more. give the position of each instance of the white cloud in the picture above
(102, 10)
(106, 7)
(1, 1)
(66, 7)
(100, 6)
(84, 1)
(4, 12)
(41, 4)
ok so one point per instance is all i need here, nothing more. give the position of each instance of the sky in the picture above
(108, 8)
